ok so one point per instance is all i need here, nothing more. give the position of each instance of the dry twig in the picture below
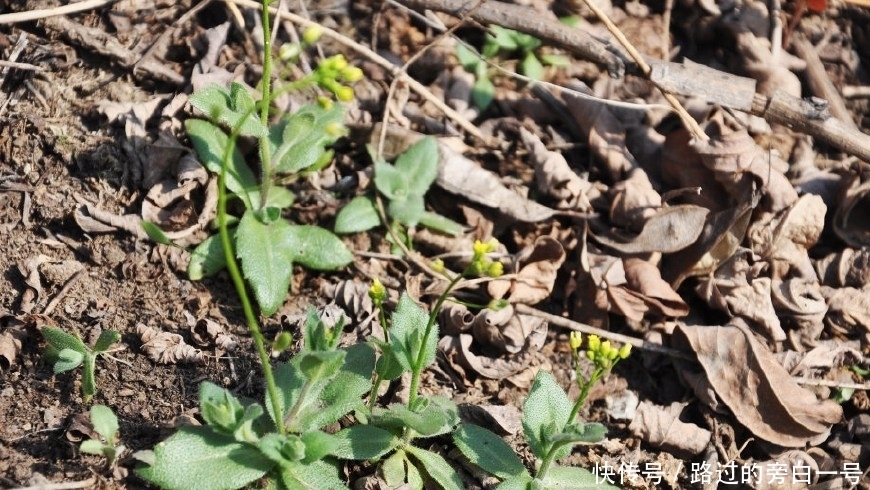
(72, 8)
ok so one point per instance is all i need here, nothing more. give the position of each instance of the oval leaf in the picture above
(360, 214)
(314, 247)
(265, 262)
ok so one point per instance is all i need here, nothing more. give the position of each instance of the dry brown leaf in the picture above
(502, 419)
(506, 332)
(770, 474)
(554, 177)
(634, 201)
(645, 278)
(11, 338)
(784, 239)
(759, 392)
(352, 296)
(461, 176)
(801, 301)
(741, 289)
(92, 219)
(849, 267)
(165, 347)
(682, 168)
(670, 229)
(459, 353)
(81, 428)
(539, 265)
(850, 218)
(662, 428)
(455, 318)
(848, 313)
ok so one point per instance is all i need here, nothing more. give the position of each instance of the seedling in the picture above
(106, 425)
(550, 427)
(68, 352)
(500, 40)
(403, 185)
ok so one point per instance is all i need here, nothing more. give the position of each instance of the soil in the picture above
(60, 150)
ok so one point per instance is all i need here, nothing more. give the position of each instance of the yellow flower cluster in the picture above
(602, 353)
(480, 264)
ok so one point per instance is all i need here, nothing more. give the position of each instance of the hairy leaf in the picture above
(210, 142)
(419, 165)
(314, 247)
(545, 413)
(266, 261)
(488, 451)
(360, 214)
(233, 108)
(364, 442)
(437, 468)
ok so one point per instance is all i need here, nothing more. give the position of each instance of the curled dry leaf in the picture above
(848, 312)
(539, 265)
(826, 356)
(504, 331)
(170, 204)
(645, 279)
(850, 218)
(801, 301)
(455, 318)
(670, 229)
(165, 347)
(759, 392)
(740, 288)
(13, 334)
(634, 201)
(789, 463)
(206, 332)
(353, 297)
(81, 428)
(554, 177)
(661, 427)
(849, 267)
(463, 357)
(785, 239)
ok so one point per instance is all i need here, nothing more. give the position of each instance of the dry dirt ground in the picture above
(63, 146)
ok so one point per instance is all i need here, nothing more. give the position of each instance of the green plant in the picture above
(550, 427)
(404, 185)
(68, 352)
(106, 425)
(500, 40)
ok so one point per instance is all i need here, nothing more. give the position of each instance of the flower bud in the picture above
(377, 292)
(344, 93)
(352, 74)
(624, 351)
(495, 269)
(575, 340)
(312, 34)
(594, 343)
(438, 266)
(289, 51)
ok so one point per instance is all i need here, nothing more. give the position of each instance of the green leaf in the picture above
(531, 66)
(105, 340)
(488, 451)
(503, 37)
(555, 60)
(105, 423)
(440, 416)
(319, 444)
(545, 413)
(266, 262)
(317, 365)
(305, 136)
(440, 223)
(407, 328)
(389, 367)
(419, 165)
(437, 468)
(483, 92)
(467, 58)
(408, 210)
(390, 181)
(318, 475)
(362, 442)
(394, 469)
(67, 360)
(360, 214)
(210, 142)
(207, 258)
(571, 478)
(233, 108)
(89, 383)
(315, 247)
(155, 233)
(92, 446)
(521, 482)
(198, 458)
(220, 408)
(59, 340)
(586, 433)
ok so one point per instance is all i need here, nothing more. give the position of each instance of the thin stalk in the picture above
(584, 392)
(417, 368)
(303, 395)
(239, 283)
(266, 103)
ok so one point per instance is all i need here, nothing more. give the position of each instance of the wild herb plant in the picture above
(106, 425)
(403, 185)
(500, 40)
(550, 427)
(67, 352)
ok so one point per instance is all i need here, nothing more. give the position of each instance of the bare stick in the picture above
(376, 58)
(690, 123)
(71, 485)
(20, 66)
(44, 13)
(49, 308)
(820, 83)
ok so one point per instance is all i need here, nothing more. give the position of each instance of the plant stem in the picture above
(584, 392)
(417, 368)
(266, 104)
(239, 283)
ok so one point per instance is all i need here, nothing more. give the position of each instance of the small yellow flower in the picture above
(624, 351)
(344, 93)
(575, 340)
(377, 292)
(312, 34)
(438, 266)
(289, 51)
(479, 247)
(594, 343)
(337, 62)
(324, 102)
(352, 74)
(495, 269)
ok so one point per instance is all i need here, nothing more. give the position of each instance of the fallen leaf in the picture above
(759, 392)
(849, 267)
(645, 279)
(505, 332)
(462, 356)
(662, 428)
(165, 347)
(634, 201)
(669, 230)
(850, 218)
(539, 266)
(455, 318)
(554, 177)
